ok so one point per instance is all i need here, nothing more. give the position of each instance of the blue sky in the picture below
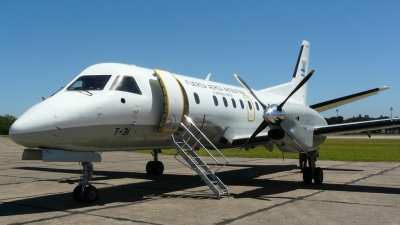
(355, 45)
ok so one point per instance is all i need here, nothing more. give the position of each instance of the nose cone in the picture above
(34, 126)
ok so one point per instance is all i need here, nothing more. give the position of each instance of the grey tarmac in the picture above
(262, 191)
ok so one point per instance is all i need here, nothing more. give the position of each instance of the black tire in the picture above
(158, 168)
(307, 175)
(90, 194)
(150, 167)
(303, 165)
(76, 194)
(318, 175)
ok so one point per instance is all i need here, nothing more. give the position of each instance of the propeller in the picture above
(249, 90)
(302, 82)
(273, 113)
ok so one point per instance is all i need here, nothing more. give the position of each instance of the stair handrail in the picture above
(204, 136)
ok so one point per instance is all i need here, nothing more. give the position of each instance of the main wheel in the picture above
(150, 167)
(90, 194)
(318, 175)
(158, 168)
(307, 175)
(76, 194)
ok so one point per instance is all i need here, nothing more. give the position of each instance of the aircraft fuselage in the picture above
(119, 120)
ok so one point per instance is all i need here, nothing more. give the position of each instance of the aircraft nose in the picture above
(34, 126)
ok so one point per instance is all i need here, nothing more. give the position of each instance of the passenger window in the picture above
(92, 82)
(125, 83)
(215, 100)
(225, 101)
(250, 106)
(241, 103)
(196, 98)
(258, 108)
(233, 103)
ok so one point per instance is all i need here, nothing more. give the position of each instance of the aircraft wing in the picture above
(323, 106)
(258, 139)
(346, 128)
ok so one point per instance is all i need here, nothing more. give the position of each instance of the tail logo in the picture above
(303, 72)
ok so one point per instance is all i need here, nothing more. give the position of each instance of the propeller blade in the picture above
(249, 90)
(302, 82)
(262, 126)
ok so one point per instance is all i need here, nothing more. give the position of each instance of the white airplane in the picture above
(118, 107)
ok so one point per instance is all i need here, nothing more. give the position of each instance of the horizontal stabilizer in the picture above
(347, 128)
(323, 106)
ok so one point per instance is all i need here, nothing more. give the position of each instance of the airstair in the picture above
(180, 141)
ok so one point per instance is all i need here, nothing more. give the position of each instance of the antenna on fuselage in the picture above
(208, 77)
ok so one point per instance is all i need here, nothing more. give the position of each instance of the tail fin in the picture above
(300, 71)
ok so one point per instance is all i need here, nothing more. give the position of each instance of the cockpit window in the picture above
(126, 83)
(90, 82)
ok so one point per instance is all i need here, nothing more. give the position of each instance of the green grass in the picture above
(366, 150)
(6, 136)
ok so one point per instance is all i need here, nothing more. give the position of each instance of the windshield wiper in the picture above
(83, 90)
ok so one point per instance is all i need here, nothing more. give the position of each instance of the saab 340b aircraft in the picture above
(118, 107)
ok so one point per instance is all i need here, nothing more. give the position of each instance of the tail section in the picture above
(300, 71)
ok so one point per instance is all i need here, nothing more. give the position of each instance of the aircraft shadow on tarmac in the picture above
(153, 187)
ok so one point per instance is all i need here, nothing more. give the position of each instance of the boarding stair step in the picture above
(185, 143)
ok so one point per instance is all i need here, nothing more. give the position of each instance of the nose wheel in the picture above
(85, 192)
(89, 194)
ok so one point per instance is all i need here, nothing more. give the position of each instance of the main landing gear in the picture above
(85, 192)
(311, 172)
(155, 167)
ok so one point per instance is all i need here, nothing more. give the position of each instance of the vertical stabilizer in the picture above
(300, 71)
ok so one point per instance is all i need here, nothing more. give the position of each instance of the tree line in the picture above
(5, 123)
(360, 118)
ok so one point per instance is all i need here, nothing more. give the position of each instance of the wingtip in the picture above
(383, 88)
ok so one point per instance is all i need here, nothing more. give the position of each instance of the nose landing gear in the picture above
(85, 192)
